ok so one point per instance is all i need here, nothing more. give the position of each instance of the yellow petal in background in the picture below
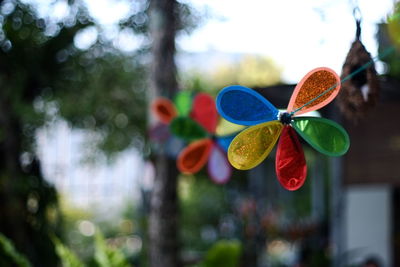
(252, 146)
(225, 127)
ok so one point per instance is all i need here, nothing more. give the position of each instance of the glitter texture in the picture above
(252, 146)
(290, 164)
(324, 135)
(244, 106)
(310, 88)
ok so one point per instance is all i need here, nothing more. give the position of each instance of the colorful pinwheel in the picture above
(197, 125)
(249, 148)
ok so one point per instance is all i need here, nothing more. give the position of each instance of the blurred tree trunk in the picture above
(26, 199)
(163, 222)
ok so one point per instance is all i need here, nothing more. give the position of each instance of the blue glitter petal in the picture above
(244, 106)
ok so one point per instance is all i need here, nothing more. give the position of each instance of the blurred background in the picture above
(82, 184)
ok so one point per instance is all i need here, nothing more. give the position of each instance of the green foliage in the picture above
(112, 97)
(389, 37)
(202, 204)
(9, 255)
(68, 258)
(106, 256)
(224, 253)
(251, 71)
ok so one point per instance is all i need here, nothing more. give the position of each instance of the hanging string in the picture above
(363, 67)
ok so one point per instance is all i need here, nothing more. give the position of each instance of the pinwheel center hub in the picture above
(285, 118)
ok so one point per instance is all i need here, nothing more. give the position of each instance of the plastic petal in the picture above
(244, 106)
(194, 156)
(204, 112)
(290, 163)
(174, 146)
(164, 110)
(250, 147)
(159, 133)
(324, 135)
(225, 127)
(318, 81)
(183, 102)
(187, 129)
(218, 166)
(225, 141)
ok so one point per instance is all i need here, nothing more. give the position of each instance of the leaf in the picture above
(7, 248)
(68, 258)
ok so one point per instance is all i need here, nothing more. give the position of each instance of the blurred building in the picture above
(372, 182)
(66, 154)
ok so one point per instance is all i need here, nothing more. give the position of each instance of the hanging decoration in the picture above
(196, 123)
(250, 147)
(361, 91)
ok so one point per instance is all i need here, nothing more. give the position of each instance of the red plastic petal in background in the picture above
(205, 112)
(290, 163)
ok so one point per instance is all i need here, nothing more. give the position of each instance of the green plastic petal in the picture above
(324, 135)
(187, 129)
(183, 102)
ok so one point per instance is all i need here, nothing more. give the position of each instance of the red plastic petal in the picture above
(194, 156)
(164, 110)
(290, 164)
(205, 112)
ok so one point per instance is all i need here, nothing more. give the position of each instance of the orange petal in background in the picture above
(164, 110)
(194, 156)
(312, 85)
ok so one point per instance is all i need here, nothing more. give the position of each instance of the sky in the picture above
(298, 35)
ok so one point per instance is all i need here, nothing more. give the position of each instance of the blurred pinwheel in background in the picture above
(196, 121)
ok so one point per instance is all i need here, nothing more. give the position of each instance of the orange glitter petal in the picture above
(194, 156)
(164, 110)
(312, 85)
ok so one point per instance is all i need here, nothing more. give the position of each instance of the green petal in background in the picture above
(183, 102)
(187, 129)
(324, 135)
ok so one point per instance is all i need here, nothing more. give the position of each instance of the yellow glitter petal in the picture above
(252, 146)
(311, 86)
